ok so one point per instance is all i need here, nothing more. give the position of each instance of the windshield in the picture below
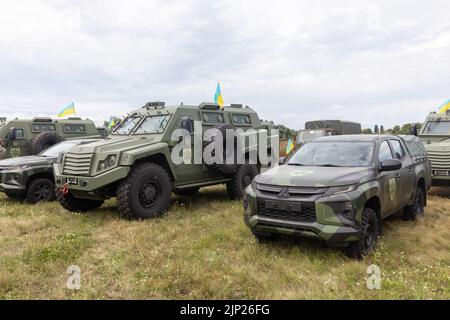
(127, 125)
(153, 124)
(309, 135)
(57, 149)
(437, 128)
(334, 154)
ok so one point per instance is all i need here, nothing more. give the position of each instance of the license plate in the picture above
(73, 181)
(284, 206)
(441, 173)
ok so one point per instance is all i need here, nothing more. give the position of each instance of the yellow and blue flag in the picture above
(445, 106)
(112, 122)
(290, 146)
(67, 110)
(218, 96)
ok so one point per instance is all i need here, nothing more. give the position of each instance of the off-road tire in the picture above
(225, 169)
(43, 141)
(186, 192)
(72, 204)
(370, 232)
(145, 193)
(410, 213)
(240, 180)
(41, 189)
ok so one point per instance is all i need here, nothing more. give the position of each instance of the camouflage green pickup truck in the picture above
(339, 189)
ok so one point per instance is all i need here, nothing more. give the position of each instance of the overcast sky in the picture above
(383, 62)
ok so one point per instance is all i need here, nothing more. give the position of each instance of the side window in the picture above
(385, 152)
(212, 117)
(74, 128)
(20, 134)
(399, 153)
(241, 119)
(43, 127)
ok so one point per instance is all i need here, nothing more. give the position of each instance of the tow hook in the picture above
(65, 190)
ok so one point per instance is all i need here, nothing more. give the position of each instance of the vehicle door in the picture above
(17, 146)
(389, 182)
(407, 173)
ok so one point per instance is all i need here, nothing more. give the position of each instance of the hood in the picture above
(116, 144)
(288, 175)
(28, 160)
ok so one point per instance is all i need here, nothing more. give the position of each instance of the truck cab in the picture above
(321, 128)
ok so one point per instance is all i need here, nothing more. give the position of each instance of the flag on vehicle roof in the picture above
(111, 122)
(445, 106)
(290, 146)
(67, 110)
(218, 96)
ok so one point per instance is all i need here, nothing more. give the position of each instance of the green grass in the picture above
(202, 249)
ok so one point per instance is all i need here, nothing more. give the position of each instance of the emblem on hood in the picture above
(284, 193)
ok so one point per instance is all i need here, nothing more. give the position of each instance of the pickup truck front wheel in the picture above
(145, 193)
(410, 213)
(370, 232)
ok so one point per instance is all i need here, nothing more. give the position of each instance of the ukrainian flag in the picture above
(444, 107)
(68, 110)
(290, 146)
(218, 96)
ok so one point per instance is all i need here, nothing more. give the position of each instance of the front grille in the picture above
(307, 213)
(293, 191)
(77, 164)
(440, 183)
(439, 160)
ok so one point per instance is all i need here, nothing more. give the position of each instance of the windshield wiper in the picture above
(328, 165)
(296, 164)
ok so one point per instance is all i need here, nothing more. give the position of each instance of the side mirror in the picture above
(282, 161)
(12, 133)
(187, 124)
(391, 165)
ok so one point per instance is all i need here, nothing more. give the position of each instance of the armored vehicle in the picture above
(134, 164)
(322, 128)
(339, 189)
(31, 177)
(435, 135)
(30, 137)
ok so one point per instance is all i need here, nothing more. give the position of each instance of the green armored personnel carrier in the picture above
(135, 162)
(21, 137)
(322, 128)
(435, 135)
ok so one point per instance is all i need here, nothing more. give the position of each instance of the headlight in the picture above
(110, 161)
(338, 190)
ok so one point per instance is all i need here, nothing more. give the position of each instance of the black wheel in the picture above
(186, 192)
(145, 193)
(417, 208)
(225, 169)
(44, 141)
(370, 232)
(241, 179)
(41, 190)
(72, 204)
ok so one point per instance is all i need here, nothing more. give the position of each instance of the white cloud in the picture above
(381, 62)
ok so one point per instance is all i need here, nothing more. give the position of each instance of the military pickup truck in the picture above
(134, 164)
(435, 135)
(21, 137)
(31, 177)
(339, 189)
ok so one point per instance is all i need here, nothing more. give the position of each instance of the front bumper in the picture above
(330, 224)
(12, 182)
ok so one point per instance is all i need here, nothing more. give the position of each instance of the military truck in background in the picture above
(321, 128)
(435, 135)
(20, 137)
(134, 162)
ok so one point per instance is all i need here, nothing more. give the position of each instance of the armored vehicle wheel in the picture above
(240, 180)
(16, 196)
(225, 169)
(41, 190)
(186, 192)
(370, 233)
(145, 193)
(411, 212)
(72, 204)
(44, 141)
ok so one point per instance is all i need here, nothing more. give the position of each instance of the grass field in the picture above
(201, 249)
